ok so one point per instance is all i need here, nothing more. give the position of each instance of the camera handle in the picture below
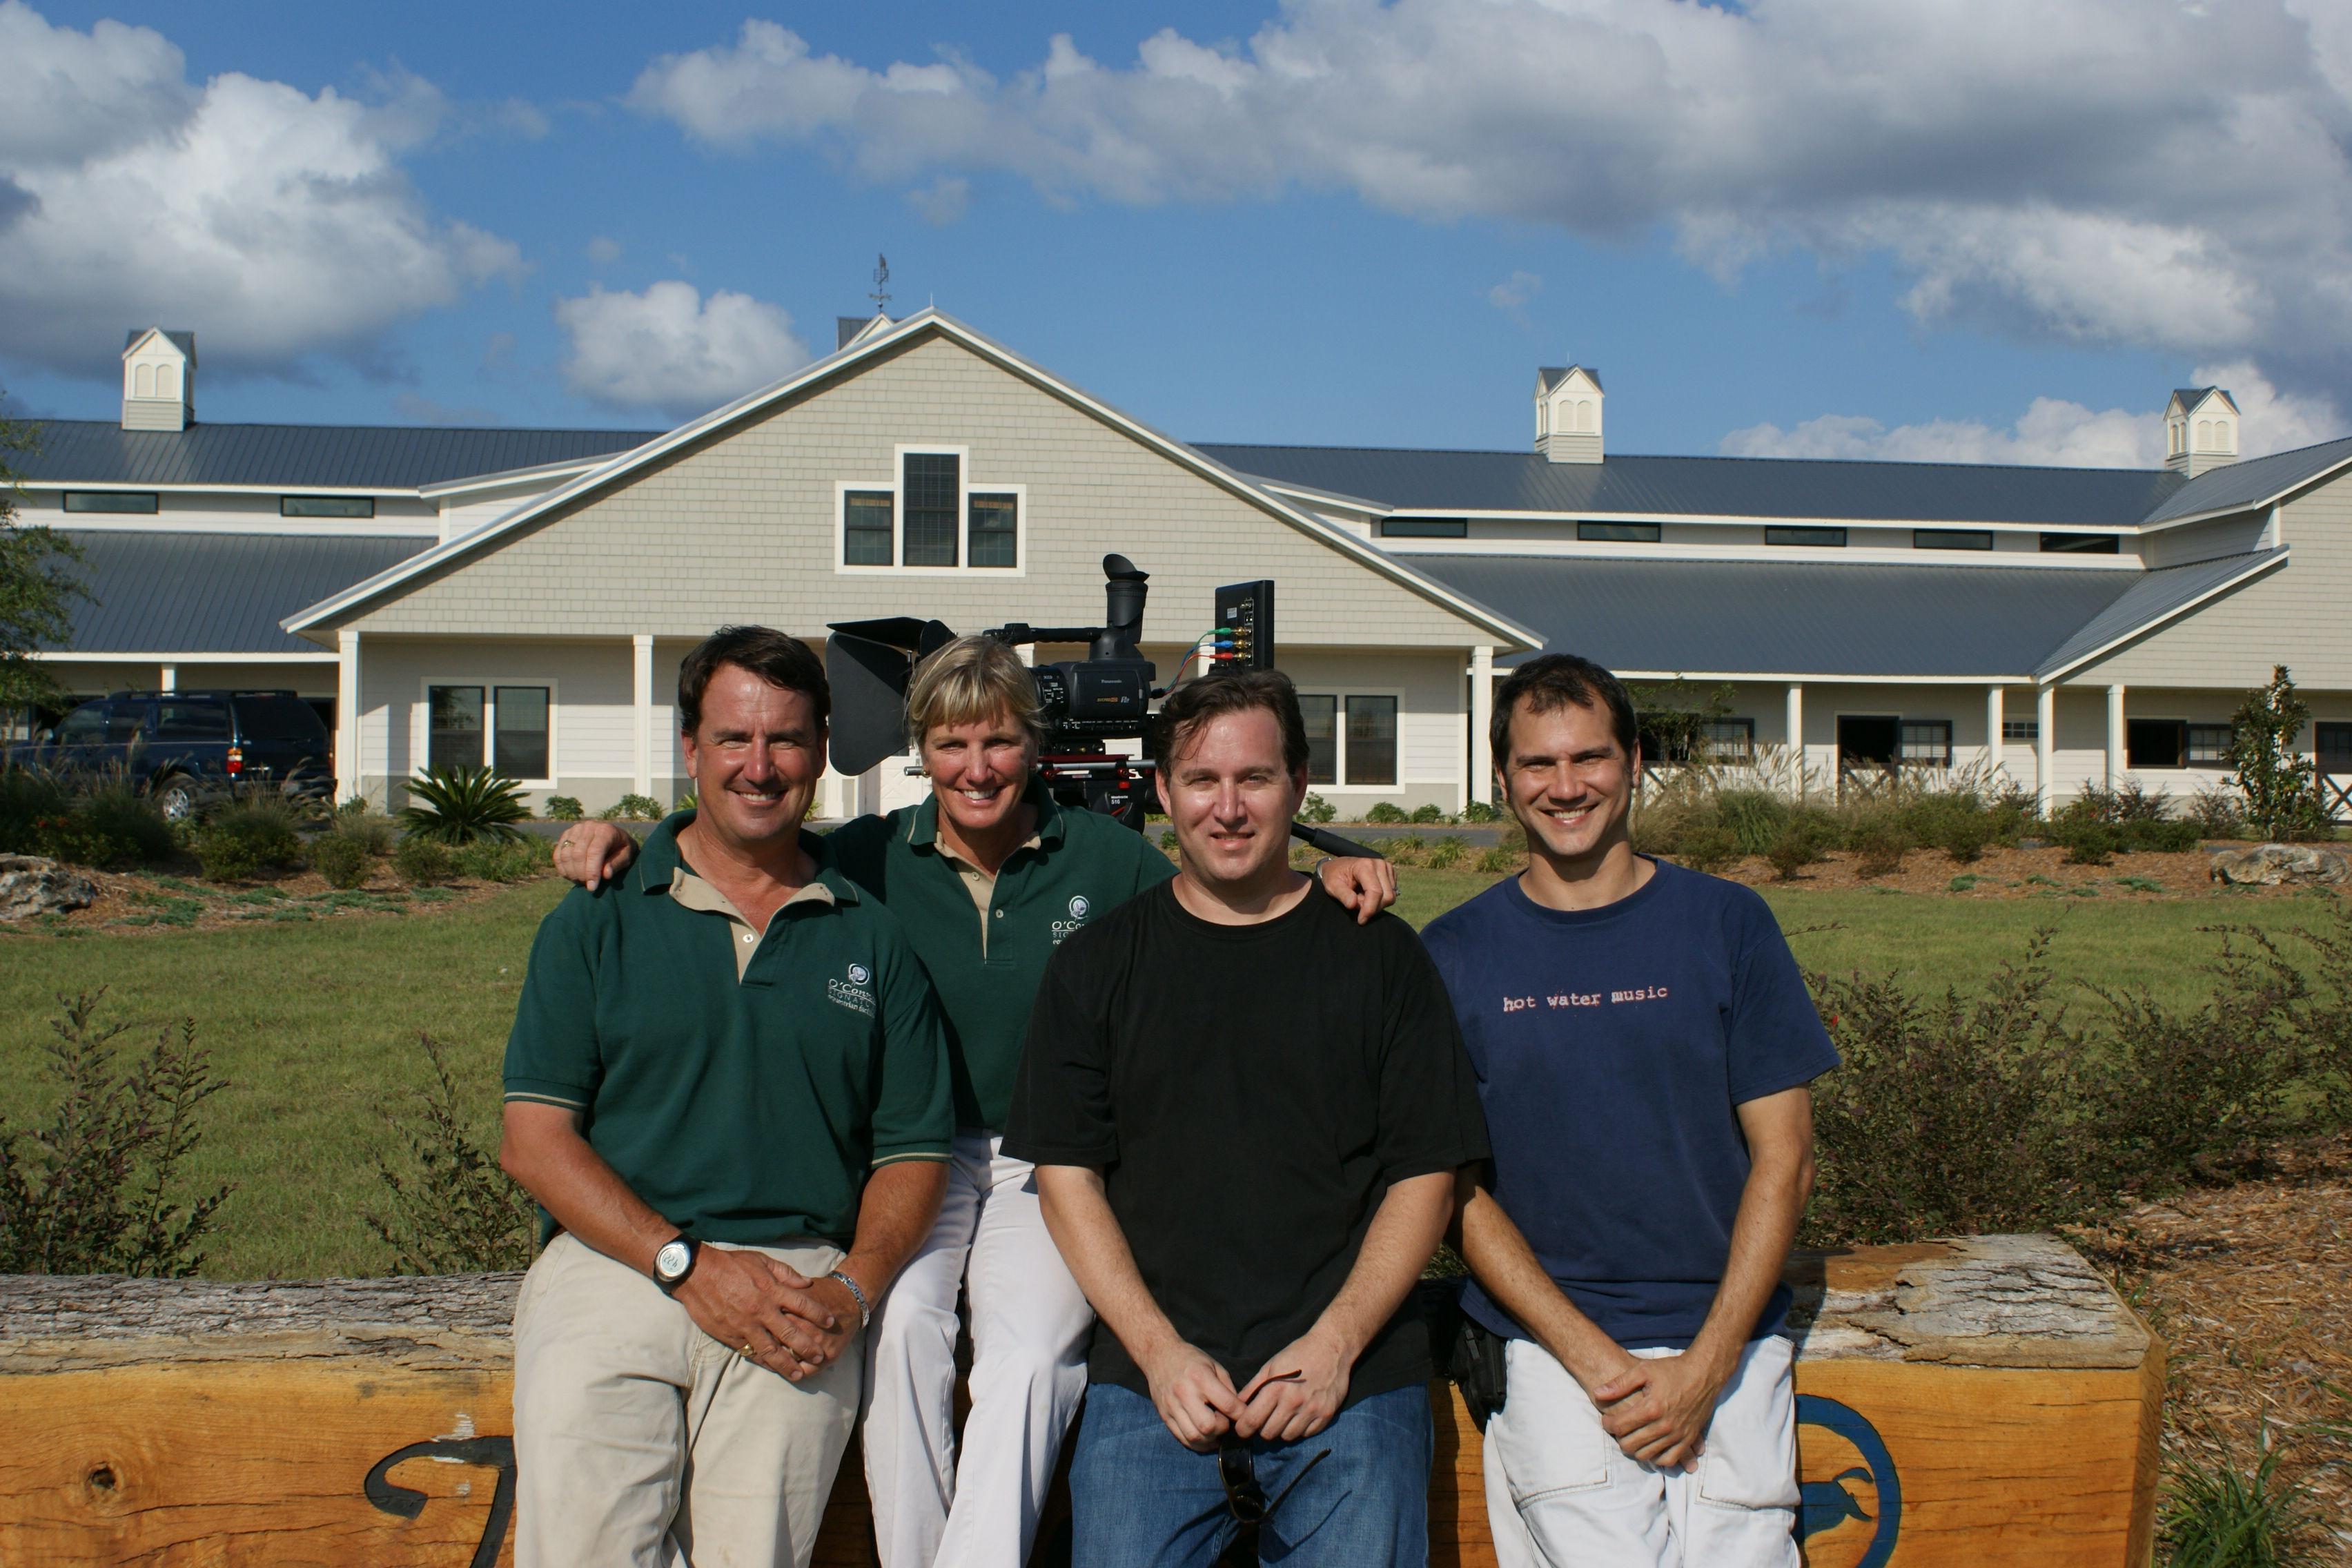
(1331, 843)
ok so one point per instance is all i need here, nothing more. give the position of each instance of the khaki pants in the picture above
(641, 1440)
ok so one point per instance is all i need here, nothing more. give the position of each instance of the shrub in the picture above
(1477, 811)
(1448, 852)
(28, 797)
(343, 860)
(1501, 859)
(2276, 781)
(246, 835)
(1384, 811)
(421, 862)
(502, 861)
(2086, 842)
(564, 808)
(1708, 847)
(1315, 808)
(639, 808)
(116, 810)
(1427, 811)
(1753, 816)
(1797, 846)
(371, 831)
(686, 801)
(462, 804)
(455, 1212)
(93, 1191)
(2216, 814)
(1878, 850)
(1963, 836)
(2163, 836)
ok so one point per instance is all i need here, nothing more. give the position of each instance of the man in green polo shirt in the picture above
(728, 1088)
(988, 876)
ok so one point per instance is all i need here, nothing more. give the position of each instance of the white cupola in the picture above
(2200, 430)
(159, 374)
(1567, 414)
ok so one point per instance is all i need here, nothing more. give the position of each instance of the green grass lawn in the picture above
(315, 1024)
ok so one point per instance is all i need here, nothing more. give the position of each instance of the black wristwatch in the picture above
(674, 1262)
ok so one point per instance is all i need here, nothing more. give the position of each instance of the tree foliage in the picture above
(2279, 785)
(36, 584)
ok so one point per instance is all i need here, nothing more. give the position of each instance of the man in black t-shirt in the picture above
(1246, 1112)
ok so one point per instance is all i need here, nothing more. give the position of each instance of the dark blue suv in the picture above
(187, 749)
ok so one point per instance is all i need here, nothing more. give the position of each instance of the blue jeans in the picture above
(1142, 1500)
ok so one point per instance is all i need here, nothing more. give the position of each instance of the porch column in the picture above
(2045, 729)
(2115, 736)
(1993, 722)
(641, 650)
(347, 718)
(1797, 731)
(168, 679)
(1481, 715)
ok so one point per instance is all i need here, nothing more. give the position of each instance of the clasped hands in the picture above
(1658, 1408)
(769, 1311)
(1295, 1394)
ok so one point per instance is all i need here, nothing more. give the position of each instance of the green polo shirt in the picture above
(1079, 865)
(745, 1102)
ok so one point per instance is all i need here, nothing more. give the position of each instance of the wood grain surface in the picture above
(1994, 1385)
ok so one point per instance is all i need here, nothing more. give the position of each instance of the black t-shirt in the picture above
(1250, 1092)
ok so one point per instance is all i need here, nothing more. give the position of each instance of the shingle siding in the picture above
(741, 527)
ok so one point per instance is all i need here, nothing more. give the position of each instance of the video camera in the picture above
(1086, 703)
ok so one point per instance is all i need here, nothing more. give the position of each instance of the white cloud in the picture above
(604, 252)
(943, 202)
(1514, 292)
(2144, 172)
(669, 349)
(273, 224)
(2051, 432)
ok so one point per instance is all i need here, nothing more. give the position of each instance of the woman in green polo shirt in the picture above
(986, 876)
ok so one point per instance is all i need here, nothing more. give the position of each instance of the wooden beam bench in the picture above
(1981, 1402)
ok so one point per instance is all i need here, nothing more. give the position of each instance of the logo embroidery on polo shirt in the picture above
(852, 992)
(1078, 909)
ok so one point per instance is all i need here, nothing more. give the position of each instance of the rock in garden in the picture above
(2269, 865)
(31, 885)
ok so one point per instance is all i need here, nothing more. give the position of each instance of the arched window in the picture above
(2205, 435)
(1543, 418)
(167, 382)
(143, 383)
(1583, 418)
(2221, 434)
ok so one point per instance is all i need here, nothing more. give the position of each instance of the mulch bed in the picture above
(2019, 874)
(2251, 1287)
(134, 903)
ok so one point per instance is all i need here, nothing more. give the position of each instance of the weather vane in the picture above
(881, 296)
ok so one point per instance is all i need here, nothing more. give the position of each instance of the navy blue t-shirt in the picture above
(1611, 1046)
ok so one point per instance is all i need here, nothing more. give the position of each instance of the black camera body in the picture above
(1086, 703)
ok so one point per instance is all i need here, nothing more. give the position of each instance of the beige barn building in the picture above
(523, 597)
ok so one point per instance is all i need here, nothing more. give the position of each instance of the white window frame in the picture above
(420, 722)
(966, 487)
(1338, 696)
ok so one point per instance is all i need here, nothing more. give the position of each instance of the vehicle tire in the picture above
(177, 798)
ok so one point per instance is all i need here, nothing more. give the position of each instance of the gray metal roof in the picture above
(1551, 376)
(213, 592)
(184, 342)
(2156, 595)
(1789, 618)
(1714, 486)
(299, 457)
(2254, 482)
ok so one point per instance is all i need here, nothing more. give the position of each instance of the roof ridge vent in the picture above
(1568, 413)
(159, 380)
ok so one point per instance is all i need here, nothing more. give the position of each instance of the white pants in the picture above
(1029, 1323)
(639, 1439)
(1561, 1494)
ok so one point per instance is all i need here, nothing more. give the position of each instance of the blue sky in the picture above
(1836, 228)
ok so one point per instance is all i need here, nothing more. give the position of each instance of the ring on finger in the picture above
(746, 1351)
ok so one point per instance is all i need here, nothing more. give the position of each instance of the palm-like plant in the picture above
(461, 805)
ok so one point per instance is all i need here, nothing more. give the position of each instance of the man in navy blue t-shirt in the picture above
(1642, 1041)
